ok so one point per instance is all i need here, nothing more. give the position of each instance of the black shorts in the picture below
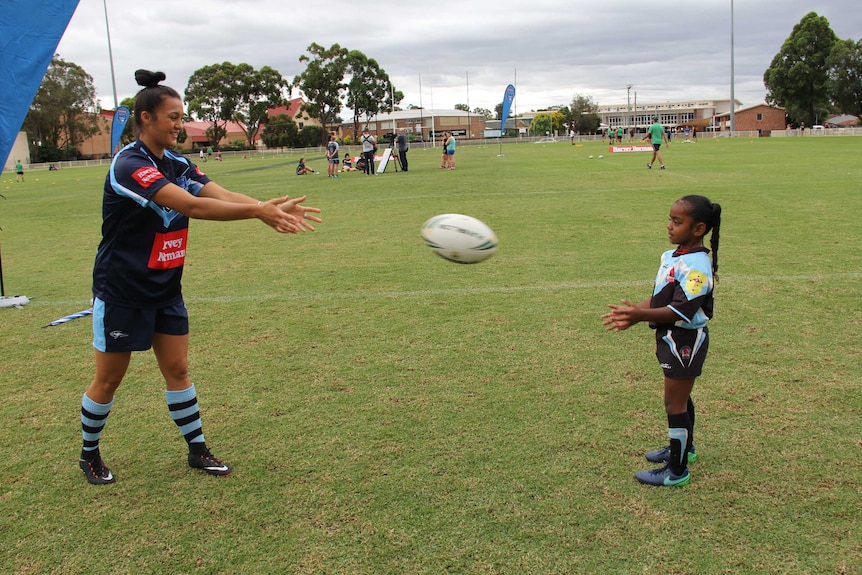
(118, 328)
(656, 147)
(681, 352)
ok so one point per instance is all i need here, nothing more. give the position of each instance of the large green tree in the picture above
(544, 123)
(322, 82)
(259, 90)
(369, 90)
(280, 132)
(63, 113)
(311, 135)
(212, 96)
(223, 92)
(845, 76)
(583, 116)
(797, 77)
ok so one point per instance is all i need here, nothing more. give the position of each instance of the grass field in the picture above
(388, 412)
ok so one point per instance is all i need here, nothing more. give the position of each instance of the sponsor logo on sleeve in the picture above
(695, 283)
(146, 176)
(169, 250)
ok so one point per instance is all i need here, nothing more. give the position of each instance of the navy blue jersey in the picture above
(140, 259)
(684, 283)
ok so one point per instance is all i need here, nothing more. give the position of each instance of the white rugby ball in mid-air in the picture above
(459, 238)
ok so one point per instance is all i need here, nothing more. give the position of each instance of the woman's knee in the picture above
(175, 372)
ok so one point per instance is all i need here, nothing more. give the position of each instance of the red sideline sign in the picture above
(617, 149)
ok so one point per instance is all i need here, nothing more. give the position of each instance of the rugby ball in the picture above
(459, 238)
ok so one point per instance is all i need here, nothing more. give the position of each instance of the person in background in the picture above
(403, 146)
(302, 169)
(332, 157)
(656, 135)
(347, 163)
(19, 171)
(150, 193)
(449, 148)
(369, 146)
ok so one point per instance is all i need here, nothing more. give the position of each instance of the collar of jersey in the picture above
(681, 252)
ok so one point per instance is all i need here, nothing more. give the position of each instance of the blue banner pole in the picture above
(508, 98)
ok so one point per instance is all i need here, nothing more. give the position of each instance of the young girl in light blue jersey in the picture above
(680, 306)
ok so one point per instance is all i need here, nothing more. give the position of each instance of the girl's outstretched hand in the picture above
(302, 215)
(269, 212)
(621, 316)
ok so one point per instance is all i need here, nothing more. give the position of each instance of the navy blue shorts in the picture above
(656, 147)
(118, 328)
(681, 352)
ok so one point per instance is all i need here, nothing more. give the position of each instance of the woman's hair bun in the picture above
(149, 79)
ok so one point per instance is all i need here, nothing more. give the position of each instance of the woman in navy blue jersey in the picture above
(678, 311)
(150, 193)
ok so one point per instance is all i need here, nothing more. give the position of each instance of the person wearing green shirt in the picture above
(19, 171)
(656, 135)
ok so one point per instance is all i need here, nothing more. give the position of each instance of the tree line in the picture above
(63, 113)
(813, 75)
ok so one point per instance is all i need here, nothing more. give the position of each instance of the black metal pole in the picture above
(2, 287)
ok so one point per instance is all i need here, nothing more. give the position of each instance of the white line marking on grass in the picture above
(566, 286)
(606, 286)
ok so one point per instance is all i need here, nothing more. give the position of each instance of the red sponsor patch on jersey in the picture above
(147, 175)
(169, 250)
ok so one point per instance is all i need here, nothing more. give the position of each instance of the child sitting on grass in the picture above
(302, 169)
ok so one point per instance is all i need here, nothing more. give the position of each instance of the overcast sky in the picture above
(462, 51)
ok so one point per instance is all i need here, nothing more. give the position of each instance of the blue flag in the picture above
(508, 97)
(30, 31)
(121, 116)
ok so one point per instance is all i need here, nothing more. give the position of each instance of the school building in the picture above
(702, 114)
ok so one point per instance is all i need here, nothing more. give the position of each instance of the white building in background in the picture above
(700, 113)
